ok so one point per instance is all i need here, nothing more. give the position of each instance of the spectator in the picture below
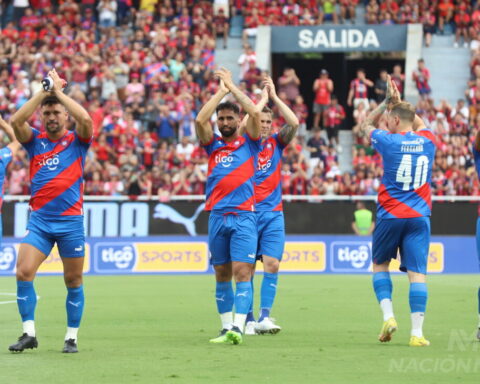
(328, 12)
(316, 145)
(358, 92)
(221, 26)
(289, 83)
(398, 77)
(107, 14)
(381, 86)
(421, 76)
(445, 11)
(323, 88)
(462, 26)
(428, 20)
(333, 117)
(245, 58)
(348, 10)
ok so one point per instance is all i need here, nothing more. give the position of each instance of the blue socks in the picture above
(75, 303)
(250, 316)
(418, 297)
(382, 285)
(267, 294)
(479, 301)
(26, 300)
(224, 297)
(243, 297)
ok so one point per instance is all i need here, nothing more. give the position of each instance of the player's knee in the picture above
(243, 273)
(73, 279)
(24, 274)
(271, 264)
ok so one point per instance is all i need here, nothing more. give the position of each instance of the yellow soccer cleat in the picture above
(221, 338)
(388, 328)
(416, 341)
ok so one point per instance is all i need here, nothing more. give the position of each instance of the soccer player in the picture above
(232, 226)
(268, 196)
(403, 209)
(476, 155)
(57, 158)
(6, 155)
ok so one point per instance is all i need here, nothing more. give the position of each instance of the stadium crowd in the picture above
(143, 70)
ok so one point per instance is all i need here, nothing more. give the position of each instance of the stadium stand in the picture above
(143, 69)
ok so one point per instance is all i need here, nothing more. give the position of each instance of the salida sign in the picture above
(339, 38)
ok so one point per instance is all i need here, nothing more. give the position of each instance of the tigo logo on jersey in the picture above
(115, 257)
(264, 163)
(51, 162)
(225, 158)
(8, 257)
(350, 256)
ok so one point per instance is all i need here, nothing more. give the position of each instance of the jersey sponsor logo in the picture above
(112, 257)
(51, 162)
(264, 163)
(350, 256)
(224, 158)
(8, 257)
(44, 144)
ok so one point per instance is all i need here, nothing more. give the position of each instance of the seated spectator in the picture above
(445, 10)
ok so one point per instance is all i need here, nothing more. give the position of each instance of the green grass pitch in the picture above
(155, 329)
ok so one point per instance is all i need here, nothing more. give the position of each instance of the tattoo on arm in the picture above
(287, 133)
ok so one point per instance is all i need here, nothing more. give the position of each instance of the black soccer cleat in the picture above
(24, 342)
(70, 346)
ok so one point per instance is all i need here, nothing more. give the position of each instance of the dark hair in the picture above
(227, 105)
(50, 100)
(360, 70)
(267, 110)
(405, 111)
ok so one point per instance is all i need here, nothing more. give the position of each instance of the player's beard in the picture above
(227, 131)
(53, 127)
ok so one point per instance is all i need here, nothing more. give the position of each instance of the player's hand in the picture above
(223, 88)
(58, 83)
(396, 97)
(270, 86)
(224, 75)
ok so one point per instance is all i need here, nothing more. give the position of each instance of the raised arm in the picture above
(289, 130)
(84, 123)
(14, 144)
(244, 101)
(23, 131)
(259, 106)
(203, 127)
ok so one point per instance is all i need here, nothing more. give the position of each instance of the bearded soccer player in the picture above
(57, 158)
(476, 155)
(268, 196)
(232, 226)
(403, 209)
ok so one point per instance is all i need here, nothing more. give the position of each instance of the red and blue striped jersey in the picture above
(56, 173)
(268, 188)
(407, 171)
(360, 90)
(5, 159)
(231, 174)
(476, 156)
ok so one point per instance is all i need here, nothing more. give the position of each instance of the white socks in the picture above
(417, 323)
(240, 321)
(71, 334)
(227, 320)
(387, 308)
(29, 327)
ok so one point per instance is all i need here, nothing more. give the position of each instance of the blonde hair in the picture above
(405, 111)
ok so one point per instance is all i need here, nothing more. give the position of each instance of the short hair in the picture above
(267, 110)
(405, 111)
(228, 105)
(50, 100)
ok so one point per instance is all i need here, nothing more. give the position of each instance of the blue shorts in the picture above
(410, 236)
(232, 237)
(271, 234)
(43, 231)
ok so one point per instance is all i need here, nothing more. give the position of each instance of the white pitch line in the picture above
(11, 301)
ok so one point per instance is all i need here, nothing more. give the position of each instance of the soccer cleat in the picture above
(70, 346)
(418, 342)
(234, 336)
(24, 342)
(267, 325)
(388, 328)
(221, 338)
(250, 328)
